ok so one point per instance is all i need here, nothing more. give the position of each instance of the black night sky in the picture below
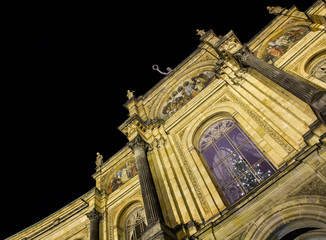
(69, 68)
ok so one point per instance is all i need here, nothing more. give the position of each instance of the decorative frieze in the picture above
(270, 131)
(192, 177)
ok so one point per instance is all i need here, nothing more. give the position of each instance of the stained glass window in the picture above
(236, 163)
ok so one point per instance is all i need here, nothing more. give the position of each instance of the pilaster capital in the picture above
(94, 215)
(138, 142)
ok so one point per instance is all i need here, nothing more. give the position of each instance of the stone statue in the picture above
(130, 94)
(200, 32)
(99, 159)
(275, 10)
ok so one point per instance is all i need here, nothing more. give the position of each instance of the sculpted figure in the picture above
(130, 94)
(99, 159)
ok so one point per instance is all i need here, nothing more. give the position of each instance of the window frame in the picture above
(249, 140)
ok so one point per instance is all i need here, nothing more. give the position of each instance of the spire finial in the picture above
(200, 32)
(130, 94)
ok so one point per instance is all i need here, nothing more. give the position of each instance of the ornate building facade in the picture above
(231, 144)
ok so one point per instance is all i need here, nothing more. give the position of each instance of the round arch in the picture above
(204, 119)
(277, 42)
(192, 71)
(289, 215)
(122, 213)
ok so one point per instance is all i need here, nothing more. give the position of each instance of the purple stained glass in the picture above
(211, 156)
(236, 163)
(250, 153)
(233, 192)
(237, 137)
(263, 170)
(223, 175)
(224, 146)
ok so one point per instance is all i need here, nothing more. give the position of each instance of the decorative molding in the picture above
(110, 221)
(224, 98)
(158, 143)
(229, 42)
(192, 178)
(323, 171)
(271, 132)
(181, 133)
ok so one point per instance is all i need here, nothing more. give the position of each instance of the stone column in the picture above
(94, 217)
(306, 92)
(156, 228)
(151, 203)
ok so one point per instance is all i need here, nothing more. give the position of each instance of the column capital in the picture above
(94, 215)
(241, 54)
(138, 142)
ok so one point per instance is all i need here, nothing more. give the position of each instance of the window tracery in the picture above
(319, 70)
(235, 162)
(135, 224)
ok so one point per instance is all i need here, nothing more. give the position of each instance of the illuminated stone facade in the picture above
(231, 144)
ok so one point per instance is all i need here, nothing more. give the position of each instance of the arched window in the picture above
(235, 162)
(135, 224)
(319, 70)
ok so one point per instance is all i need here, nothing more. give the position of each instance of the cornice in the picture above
(135, 126)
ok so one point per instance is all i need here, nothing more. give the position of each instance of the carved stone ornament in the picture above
(94, 215)
(229, 43)
(130, 129)
(137, 142)
(99, 159)
(242, 54)
(157, 143)
(200, 32)
(315, 186)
